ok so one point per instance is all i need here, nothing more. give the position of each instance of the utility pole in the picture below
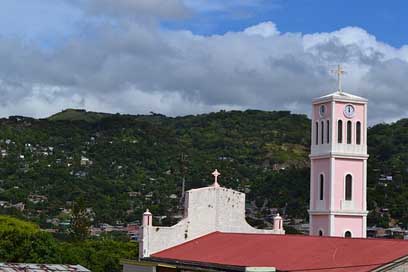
(183, 169)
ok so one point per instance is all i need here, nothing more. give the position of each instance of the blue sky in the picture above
(384, 19)
(191, 56)
(48, 21)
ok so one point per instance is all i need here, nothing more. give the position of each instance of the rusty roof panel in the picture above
(25, 267)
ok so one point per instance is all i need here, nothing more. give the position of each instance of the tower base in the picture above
(338, 224)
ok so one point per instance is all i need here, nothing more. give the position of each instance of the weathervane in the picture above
(216, 174)
(339, 72)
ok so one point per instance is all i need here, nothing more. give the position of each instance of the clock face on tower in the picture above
(349, 111)
(322, 111)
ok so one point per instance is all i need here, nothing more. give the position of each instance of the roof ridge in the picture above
(316, 237)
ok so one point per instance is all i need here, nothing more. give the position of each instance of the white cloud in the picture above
(136, 9)
(137, 68)
(266, 29)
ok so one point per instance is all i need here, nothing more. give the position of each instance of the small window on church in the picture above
(358, 133)
(340, 131)
(320, 233)
(328, 131)
(347, 234)
(321, 189)
(349, 132)
(317, 133)
(348, 187)
(322, 132)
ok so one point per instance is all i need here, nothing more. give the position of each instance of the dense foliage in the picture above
(134, 163)
(24, 242)
(99, 255)
(388, 149)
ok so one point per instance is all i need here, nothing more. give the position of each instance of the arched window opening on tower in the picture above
(349, 132)
(358, 132)
(348, 187)
(317, 133)
(328, 131)
(347, 234)
(321, 187)
(340, 131)
(322, 132)
(320, 233)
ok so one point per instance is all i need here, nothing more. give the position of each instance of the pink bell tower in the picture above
(338, 178)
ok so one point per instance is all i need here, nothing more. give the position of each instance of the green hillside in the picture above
(78, 115)
(122, 164)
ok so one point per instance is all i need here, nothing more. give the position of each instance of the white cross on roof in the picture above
(339, 72)
(216, 174)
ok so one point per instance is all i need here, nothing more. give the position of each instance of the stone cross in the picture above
(216, 174)
(339, 72)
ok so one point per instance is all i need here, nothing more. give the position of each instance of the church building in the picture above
(207, 210)
(214, 236)
(338, 165)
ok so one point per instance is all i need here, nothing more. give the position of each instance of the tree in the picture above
(24, 242)
(21, 241)
(80, 221)
(99, 255)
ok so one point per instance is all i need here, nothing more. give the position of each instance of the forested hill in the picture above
(122, 164)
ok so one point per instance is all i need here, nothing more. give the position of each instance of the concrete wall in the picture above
(400, 268)
(356, 169)
(138, 268)
(320, 166)
(207, 210)
(397, 266)
(320, 222)
(354, 224)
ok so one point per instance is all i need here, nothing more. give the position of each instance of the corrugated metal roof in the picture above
(287, 252)
(27, 267)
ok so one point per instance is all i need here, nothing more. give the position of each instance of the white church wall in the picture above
(207, 210)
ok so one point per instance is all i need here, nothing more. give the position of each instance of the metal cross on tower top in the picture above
(216, 174)
(339, 72)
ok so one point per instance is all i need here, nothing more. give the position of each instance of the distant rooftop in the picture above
(26, 267)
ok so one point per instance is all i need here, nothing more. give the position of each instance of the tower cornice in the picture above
(340, 156)
(340, 97)
(336, 212)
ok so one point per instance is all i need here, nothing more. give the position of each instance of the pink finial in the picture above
(216, 174)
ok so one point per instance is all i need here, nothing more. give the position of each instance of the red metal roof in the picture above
(287, 252)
